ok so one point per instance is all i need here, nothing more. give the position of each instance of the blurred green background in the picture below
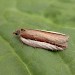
(52, 15)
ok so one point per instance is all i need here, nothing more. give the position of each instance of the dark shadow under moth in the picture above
(43, 39)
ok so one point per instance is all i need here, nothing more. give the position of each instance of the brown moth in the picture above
(43, 39)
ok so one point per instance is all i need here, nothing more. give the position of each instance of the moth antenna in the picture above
(15, 33)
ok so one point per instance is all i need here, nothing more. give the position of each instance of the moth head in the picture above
(18, 31)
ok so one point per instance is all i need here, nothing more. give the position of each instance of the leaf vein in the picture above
(17, 55)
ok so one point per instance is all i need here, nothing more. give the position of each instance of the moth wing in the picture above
(39, 44)
(58, 37)
(53, 35)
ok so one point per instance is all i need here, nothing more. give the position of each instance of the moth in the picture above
(43, 39)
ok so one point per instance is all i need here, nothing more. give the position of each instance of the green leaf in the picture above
(17, 58)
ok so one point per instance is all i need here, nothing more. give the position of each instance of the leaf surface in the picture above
(17, 58)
